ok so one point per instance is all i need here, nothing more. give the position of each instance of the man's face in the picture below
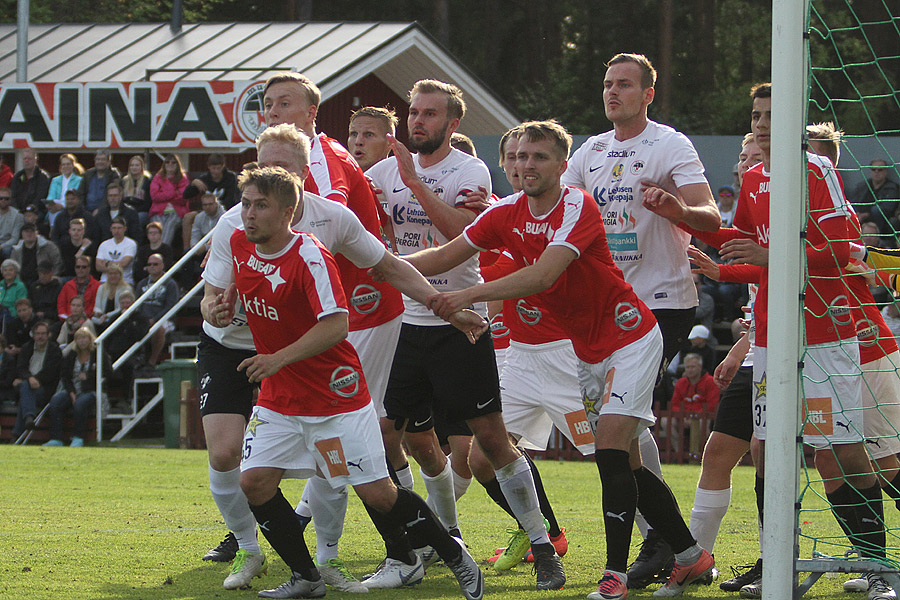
(286, 102)
(24, 312)
(216, 171)
(368, 141)
(28, 160)
(539, 166)
(209, 205)
(154, 235)
(29, 235)
(76, 232)
(154, 267)
(276, 154)
(623, 98)
(262, 218)
(692, 368)
(871, 236)
(118, 231)
(101, 162)
(72, 202)
(509, 163)
(45, 276)
(5, 199)
(879, 172)
(114, 197)
(40, 335)
(750, 155)
(82, 270)
(761, 123)
(428, 124)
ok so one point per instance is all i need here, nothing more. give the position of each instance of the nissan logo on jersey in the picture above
(499, 329)
(839, 309)
(529, 314)
(365, 299)
(628, 316)
(344, 381)
(866, 332)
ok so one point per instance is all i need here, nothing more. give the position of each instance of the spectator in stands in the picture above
(8, 364)
(117, 250)
(167, 191)
(79, 383)
(11, 222)
(206, 220)
(44, 293)
(6, 174)
(32, 250)
(129, 331)
(30, 185)
(871, 235)
(154, 245)
(108, 304)
(707, 308)
(136, 188)
(115, 208)
(156, 304)
(95, 181)
(37, 375)
(727, 203)
(83, 285)
(11, 289)
(217, 180)
(74, 210)
(877, 199)
(31, 216)
(19, 331)
(695, 391)
(77, 319)
(701, 342)
(69, 178)
(74, 245)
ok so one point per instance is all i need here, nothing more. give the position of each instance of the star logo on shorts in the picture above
(275, 279)
(761, 387)
(590, 405)
(254, 422)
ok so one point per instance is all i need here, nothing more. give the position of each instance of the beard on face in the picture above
(430, 144)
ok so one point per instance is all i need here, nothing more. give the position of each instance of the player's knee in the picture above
(257, 488)
(225, 457)
(379, 495)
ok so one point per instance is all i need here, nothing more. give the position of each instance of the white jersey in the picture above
(650, 250)
(451, 179)
(333, 224)
(112, 250)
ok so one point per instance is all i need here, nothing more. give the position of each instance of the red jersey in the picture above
(695, 397)
(334, 174)
(284, 295)
(826, 310)
(590, 300)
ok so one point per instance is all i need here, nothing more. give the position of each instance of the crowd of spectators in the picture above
(76, 249)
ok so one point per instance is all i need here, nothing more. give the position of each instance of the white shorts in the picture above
(832, 394)
(375, 347)
(881, 405)
(539, 389)
(500, 353)
(623, 383)
(346, 448)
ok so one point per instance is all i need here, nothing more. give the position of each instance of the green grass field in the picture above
(132, 524)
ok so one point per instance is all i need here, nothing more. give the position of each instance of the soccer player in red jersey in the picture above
(314, 413)
(556, 236)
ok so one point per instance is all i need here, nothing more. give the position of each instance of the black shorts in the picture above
(735, 413)
(437, 369)
(675, 325)
(444, 428)
(223, 389)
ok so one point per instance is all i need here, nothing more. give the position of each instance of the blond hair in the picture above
(275, 183)
(456, 106)
(536, 131)
(288, 135)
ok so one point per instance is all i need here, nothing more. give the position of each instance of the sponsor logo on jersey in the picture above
(409, 214)
(866, 332)
(333, 452)
(818, 417)
(763, 187)
(344, 382)
(762, 234)
(839, 309)
(530, 315)
(365, 299)
(519, 233)
(599, 146)
(439, 191)
(499, 330)
(260, 266)
(628, 316)
(598, 196)
(617, 172)
(622, 242)
(637, 166)
(627, 219)
(620, 153)
(257, 306)
(579, 427)
(536, 228)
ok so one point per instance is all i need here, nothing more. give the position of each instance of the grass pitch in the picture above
(132, 524)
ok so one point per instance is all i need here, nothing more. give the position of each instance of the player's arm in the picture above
(693, 205)
(524, 282)
(330, 330)
(217, 305)
(450, 221)
(731, 363)
(443, 258)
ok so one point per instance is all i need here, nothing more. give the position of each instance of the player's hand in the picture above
(663, 203)
(725, 372)
(470, 323)
(405, 164)
(478, 200)
(260, 366)
(205, 258)
(701, 263)
(744, 251)
(446, 303)
(222, 312)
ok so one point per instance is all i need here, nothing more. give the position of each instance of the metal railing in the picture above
(199, 247)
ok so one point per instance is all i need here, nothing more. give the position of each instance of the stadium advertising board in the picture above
(157, 114)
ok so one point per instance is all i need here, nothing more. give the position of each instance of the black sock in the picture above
(860, 514)
(618, 501)
(760, 489)
(413, 512)
(396, 543)
(546, 508)
(892, 489)
(493, 490)
(279, 524)
(393, 473)
(657, 503)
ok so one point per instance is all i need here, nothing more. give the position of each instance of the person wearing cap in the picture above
(32, 250)
(725, 200)
(699, 339)
(31, 214)
(44, 293)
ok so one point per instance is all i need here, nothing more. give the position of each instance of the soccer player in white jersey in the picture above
(226, 394)
(646, 177)
(433, 369)
(555, 235)
(314, 413)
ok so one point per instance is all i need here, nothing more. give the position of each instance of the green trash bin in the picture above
(173, 372)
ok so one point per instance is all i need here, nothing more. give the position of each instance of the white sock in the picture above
(225, 487)
(329, 508)
(689, 555)
(303, 506)
(650, 459)
(460, 485)
(518, 488)
(709, 509)
(405, 477)
(440, 495)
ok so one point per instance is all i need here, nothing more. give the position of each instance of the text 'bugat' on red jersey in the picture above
(335, 174)
(590, 300)
(284, 295)
(827, 308)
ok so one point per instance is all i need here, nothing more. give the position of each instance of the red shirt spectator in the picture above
(696, 391)
(82, 285)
